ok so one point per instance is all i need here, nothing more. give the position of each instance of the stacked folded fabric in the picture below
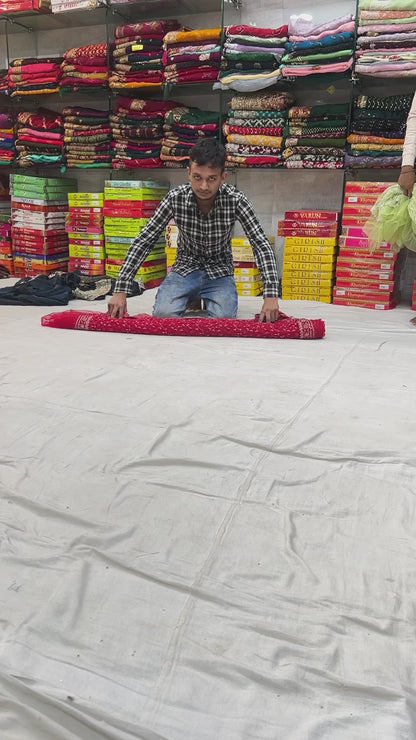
(84, 224)
(251, 57)
(7, 148)
(31, 76)
(128, 205)
(183, 127)
(319, 49)
(377, 131)
(386, 38)
(85, 68)
(39, 138)
(137, 54)
(40, 244)
(137, 132)
(316, 137)
(87, 137)
(192, 56)
(254, 129)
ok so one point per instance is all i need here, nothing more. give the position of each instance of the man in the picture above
(407, 174)
(205, 211)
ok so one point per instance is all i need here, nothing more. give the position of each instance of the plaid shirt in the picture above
(204, 240)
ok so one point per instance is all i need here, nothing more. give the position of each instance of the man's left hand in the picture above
(270, 310)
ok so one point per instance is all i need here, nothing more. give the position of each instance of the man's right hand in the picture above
(117, 305)
(407, 180)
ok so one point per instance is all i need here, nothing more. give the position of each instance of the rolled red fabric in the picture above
(285, 327)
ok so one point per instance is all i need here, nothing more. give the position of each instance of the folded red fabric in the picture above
(241, 29)
(285, 327)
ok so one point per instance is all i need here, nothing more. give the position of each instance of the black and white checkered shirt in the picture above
(204, 240)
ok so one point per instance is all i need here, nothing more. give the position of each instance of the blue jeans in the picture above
(174, 294)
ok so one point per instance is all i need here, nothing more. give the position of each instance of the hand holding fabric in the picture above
(270, 310)
(407, 180)
(117, 305)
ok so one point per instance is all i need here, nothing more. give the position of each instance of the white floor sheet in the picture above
(208, 539)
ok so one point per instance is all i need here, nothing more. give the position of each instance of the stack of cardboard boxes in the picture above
(363, 278)
(310, 244)
(39, 239)
(84, 224)
(6, 253)
(246, 273)
(128, 205)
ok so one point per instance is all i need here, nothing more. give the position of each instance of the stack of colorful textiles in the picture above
(40, 244)
(316, 136)
(192, 56)
(246, 273)
(7, 150)
(85, 68)
(183, 127)
(84, 224)
(364, 278)
(33, 76)
(137, 54)
(128, 205)
(39, 138)
(6, 250)
(377, 131)
(254, 129)
(87, 137)
(137, 132)
(251, 57)
(326, 48)
(309, 254)
(386, 38)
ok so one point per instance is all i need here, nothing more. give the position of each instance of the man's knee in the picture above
(164, 312)
(222, 312)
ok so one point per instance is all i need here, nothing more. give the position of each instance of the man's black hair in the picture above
(208, 151)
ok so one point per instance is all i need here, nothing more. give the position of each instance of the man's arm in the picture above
(264, 256)
(407, 175)
(138, 251)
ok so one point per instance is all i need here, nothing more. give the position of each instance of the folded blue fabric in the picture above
(324, 42)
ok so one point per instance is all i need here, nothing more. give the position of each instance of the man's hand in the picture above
(117, 305)
(270, 310)
(407, 180)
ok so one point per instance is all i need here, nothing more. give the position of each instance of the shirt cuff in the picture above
(270, 290)
(408, 161)
(123, 286)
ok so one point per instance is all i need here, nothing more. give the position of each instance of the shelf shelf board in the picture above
(116, 13)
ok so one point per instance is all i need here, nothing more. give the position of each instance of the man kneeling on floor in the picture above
(205, 211)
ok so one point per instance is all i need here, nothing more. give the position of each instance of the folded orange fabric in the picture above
(199, 34)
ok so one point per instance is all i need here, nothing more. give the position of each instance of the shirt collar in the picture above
(191, 200)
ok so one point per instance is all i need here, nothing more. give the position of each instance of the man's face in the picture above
(205, 180)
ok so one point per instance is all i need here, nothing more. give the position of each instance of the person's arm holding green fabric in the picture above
(407, 177)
